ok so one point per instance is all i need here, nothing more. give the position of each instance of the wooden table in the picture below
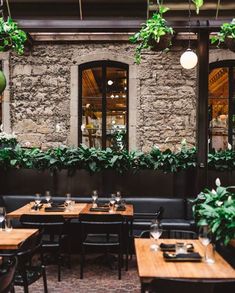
(13, 239)
(151, 265)
(127, 214)
(66, 214)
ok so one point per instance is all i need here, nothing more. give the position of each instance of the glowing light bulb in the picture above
(188, 59)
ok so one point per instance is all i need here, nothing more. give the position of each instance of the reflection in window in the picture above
(218, 108)
(222, 105)
(104, 95)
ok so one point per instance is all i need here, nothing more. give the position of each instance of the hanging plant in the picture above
(154, 34)
(11, 37)
(198, 4)
(226, 35)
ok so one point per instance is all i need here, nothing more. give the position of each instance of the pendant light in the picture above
(189, 59)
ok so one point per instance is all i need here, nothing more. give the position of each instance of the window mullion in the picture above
(104, 102)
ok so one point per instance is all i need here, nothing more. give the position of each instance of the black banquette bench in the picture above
(177, 211)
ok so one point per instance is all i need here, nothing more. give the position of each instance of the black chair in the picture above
(192, 286)
(103, 231)
(7, 273)
(28, 271)
(52, 227)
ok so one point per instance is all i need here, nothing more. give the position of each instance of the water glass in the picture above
(48, 197)
(155, 233)
(2, 216)
(118, 197)
(180, 247)
(112, 202)
(68, 201)
(8, 224)
(37, 199)
(205, 238)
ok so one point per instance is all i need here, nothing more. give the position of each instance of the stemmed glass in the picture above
(37, 199)
(68, 200)
(118, 197)
(94, 197)
(155, 233)
(48, 197)
(205, 238)
(2, 216)
(112, 202)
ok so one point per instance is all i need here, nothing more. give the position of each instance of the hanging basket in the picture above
(230, 43)
(3, 82)
(164, 43)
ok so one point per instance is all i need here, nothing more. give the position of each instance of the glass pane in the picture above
(116, 121)
(233, 110)
(218, 108)
(92, 107)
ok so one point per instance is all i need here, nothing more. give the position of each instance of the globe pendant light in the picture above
(189, 59)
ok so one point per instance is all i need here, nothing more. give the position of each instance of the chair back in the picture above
(7, 272)
(93, 223)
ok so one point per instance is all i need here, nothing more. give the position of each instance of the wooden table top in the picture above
(152, 265)
(13, 239)
(128, 213)
(66, 214)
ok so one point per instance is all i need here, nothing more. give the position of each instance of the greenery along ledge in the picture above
(95, 160)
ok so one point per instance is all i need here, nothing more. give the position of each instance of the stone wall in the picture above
(40, 95)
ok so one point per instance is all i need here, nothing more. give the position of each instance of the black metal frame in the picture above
(230, 64)
(104, 64)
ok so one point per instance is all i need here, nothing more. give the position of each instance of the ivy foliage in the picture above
(227, 30)
(11, 37)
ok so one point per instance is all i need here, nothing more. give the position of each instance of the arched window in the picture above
(222, 104)
(103, 104)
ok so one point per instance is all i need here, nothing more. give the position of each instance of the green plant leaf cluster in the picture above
(11, 36)
(150, 32)
(95, 160)
(198, 4)
(216, 208)
(227, 31)
(223, 160)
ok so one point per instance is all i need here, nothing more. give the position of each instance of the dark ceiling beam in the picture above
(42, 25)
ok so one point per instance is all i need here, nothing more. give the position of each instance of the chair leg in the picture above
(12, 289)
(82, 260)
(120, 257)
(59, 267)
(44, 279)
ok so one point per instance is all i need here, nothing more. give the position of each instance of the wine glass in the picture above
(205, 239)
(48, 197)
(118, 197)
(94, 197)
(37, 199)
(68, 200)
(155, 233)
(112, 202)
(2, 216)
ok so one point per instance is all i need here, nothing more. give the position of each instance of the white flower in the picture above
(83, 127)
(27, 144)
(229, 146)
(217, 182)
(230, 198)
(183, 141)
(219, 203)
(213, 191)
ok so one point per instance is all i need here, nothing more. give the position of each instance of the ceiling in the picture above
(51, 15)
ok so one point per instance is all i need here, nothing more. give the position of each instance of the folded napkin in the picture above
(99, 209)
(171, 247)
(120, 208)
(193, 256)
(54, 209)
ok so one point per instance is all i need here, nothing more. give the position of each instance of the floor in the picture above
(97, 279)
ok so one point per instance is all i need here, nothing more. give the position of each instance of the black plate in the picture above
(192, 257)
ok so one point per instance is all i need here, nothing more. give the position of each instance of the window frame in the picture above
(230, 64)
(104, 64)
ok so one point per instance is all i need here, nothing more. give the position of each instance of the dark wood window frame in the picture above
(104, 64)
(230, 64)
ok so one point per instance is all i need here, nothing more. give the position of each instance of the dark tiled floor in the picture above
(97, 279)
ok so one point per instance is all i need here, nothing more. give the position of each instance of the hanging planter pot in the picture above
(3, 82)
(164, 43)
(230, 43)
